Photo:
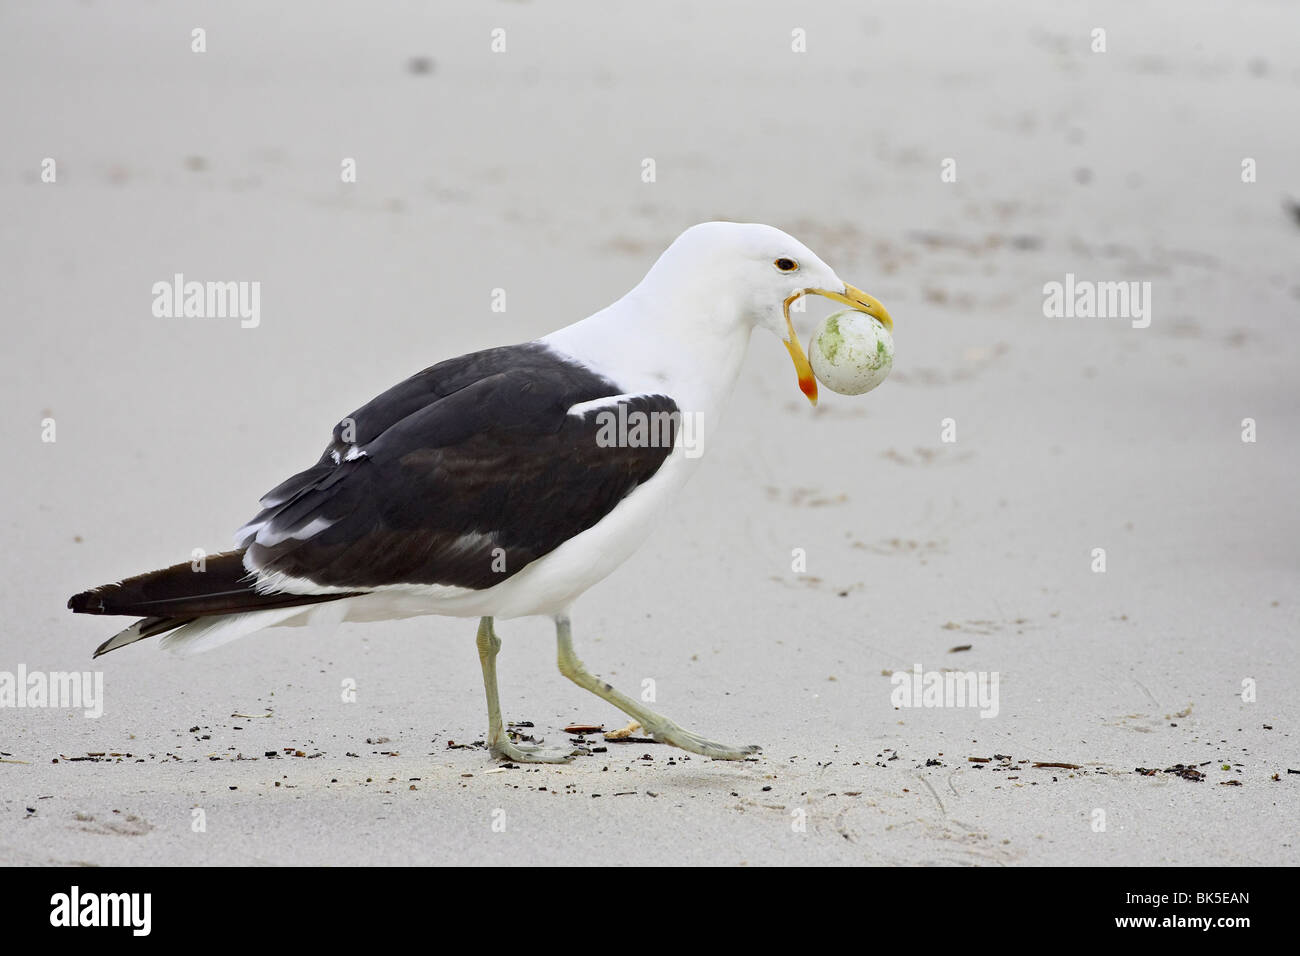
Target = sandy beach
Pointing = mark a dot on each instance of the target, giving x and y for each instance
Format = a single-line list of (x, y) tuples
[(952, 162)]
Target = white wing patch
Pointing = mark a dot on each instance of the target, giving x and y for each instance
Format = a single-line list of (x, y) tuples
[(609, 401), (354, 452), (268, 538), (262, 533)]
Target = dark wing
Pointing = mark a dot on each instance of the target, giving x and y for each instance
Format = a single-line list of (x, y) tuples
[(461, 475)]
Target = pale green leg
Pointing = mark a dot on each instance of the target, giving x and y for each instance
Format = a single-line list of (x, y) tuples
[(661, 728), (498, 741)]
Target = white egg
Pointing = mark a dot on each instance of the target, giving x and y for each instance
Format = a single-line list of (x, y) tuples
[(851, 352)]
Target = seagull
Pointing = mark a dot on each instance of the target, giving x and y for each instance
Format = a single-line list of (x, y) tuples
[(507, 482)]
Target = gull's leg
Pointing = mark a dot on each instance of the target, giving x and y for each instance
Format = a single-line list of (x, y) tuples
[(661, 728), (498, 740)]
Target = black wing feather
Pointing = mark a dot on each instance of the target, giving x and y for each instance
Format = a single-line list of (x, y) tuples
[(471, 470)]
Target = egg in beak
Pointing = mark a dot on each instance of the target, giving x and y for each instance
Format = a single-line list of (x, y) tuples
[(855, 299)]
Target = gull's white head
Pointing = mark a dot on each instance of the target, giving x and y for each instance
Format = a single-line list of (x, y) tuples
[(747, 274)]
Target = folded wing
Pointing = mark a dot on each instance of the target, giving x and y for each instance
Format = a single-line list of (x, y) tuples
[(461, 475)]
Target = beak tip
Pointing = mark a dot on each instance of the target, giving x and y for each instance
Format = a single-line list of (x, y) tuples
[(809, 388)]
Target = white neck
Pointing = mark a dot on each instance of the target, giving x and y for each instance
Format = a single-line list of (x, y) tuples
[(649, 342)]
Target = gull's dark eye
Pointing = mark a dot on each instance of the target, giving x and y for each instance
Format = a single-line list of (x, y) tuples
[(786, 265)]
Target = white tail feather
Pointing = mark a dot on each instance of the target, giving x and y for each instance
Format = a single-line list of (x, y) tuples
[(208, 633)]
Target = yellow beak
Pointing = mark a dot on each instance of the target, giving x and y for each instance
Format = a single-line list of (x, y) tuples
[(855, 299)]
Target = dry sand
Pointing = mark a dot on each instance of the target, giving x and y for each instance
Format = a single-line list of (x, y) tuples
[(522, 171)]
